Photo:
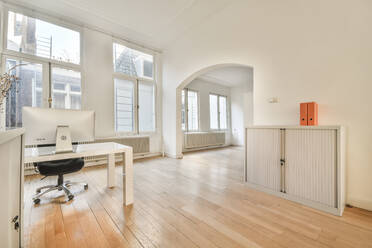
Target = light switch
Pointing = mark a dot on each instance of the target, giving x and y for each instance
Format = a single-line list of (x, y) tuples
[(273, 100)]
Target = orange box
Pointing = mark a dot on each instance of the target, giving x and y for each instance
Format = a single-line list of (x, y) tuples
[(312, 114), (309, 114), (303, 114)]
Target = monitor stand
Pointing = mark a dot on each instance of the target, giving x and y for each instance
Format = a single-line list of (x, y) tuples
[(63, 140)]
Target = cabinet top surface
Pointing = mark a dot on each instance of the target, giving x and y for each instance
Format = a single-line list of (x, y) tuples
[(10, 134)]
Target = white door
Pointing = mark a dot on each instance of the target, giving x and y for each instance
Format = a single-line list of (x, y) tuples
[(263, 157), (311, 158)]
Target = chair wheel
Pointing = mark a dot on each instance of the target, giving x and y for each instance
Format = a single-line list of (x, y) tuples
[(70, 197), (36, 201), (86, 186)]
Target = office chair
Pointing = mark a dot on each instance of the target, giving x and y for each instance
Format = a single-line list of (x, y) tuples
[(58, 168)]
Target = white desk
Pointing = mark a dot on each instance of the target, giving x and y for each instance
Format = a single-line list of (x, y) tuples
[(42, 154)]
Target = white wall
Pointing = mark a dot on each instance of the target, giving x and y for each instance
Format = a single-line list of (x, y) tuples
[(301, 51), (204, 88), (241, 114), (241, 109)]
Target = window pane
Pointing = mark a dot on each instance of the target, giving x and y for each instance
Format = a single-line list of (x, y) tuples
[(146, 102), (66, 89), (192, 102), (223, 112), (36, 37), (59, 100), (183, 115), (75, 100), (27, 92), (124, 101), (132, 62), (213, 111)]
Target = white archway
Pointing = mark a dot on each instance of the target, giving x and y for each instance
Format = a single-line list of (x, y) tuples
[(179, 133)]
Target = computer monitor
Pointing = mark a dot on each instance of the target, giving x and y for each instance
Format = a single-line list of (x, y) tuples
[(41, 125)]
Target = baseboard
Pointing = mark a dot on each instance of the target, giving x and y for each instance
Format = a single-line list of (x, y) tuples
[(204, 148), (175, 156), (237, 145), (360, 203)]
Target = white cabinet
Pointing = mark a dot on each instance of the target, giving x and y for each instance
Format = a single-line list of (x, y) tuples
[(303, 164), (11, 187)]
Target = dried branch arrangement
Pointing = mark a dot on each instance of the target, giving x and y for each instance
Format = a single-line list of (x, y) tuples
[(7, 80)]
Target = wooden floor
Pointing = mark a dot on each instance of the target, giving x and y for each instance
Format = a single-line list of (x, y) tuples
[(199, 201)]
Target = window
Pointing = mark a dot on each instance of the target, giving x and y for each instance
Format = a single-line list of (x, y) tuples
[(66, 89), (134, 90), (192, 113), (213, 111), (28, 91), (190, 110), (50, 66), (146, 102), (124, 105), (223, 112), (218, 112), (132, 62), (36, 37), (183, 110)]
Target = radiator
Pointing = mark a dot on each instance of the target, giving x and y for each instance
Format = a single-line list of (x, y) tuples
[(203, 139), (140, 145)]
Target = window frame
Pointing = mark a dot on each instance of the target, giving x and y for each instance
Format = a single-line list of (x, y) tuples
[(135, 113), (219, 113), (47, 63), (186, 104), (44, 70), (136, 80), (140, 49), (187, 130), (36, 15), (50, 86), (153, 84)]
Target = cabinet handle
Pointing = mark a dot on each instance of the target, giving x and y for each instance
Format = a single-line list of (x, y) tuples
[(282, 164), (16, 223), (14, 220)]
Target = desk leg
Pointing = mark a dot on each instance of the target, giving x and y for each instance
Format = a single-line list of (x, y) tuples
[(128, 178), (111, 170)]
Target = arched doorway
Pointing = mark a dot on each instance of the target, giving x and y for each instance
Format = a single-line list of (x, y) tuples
[(225, 70)]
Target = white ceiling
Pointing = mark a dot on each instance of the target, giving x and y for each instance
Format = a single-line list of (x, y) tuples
[(231, 76), (153, 23)]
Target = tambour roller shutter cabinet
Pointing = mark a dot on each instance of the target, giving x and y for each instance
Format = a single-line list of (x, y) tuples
[(300, 163)]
